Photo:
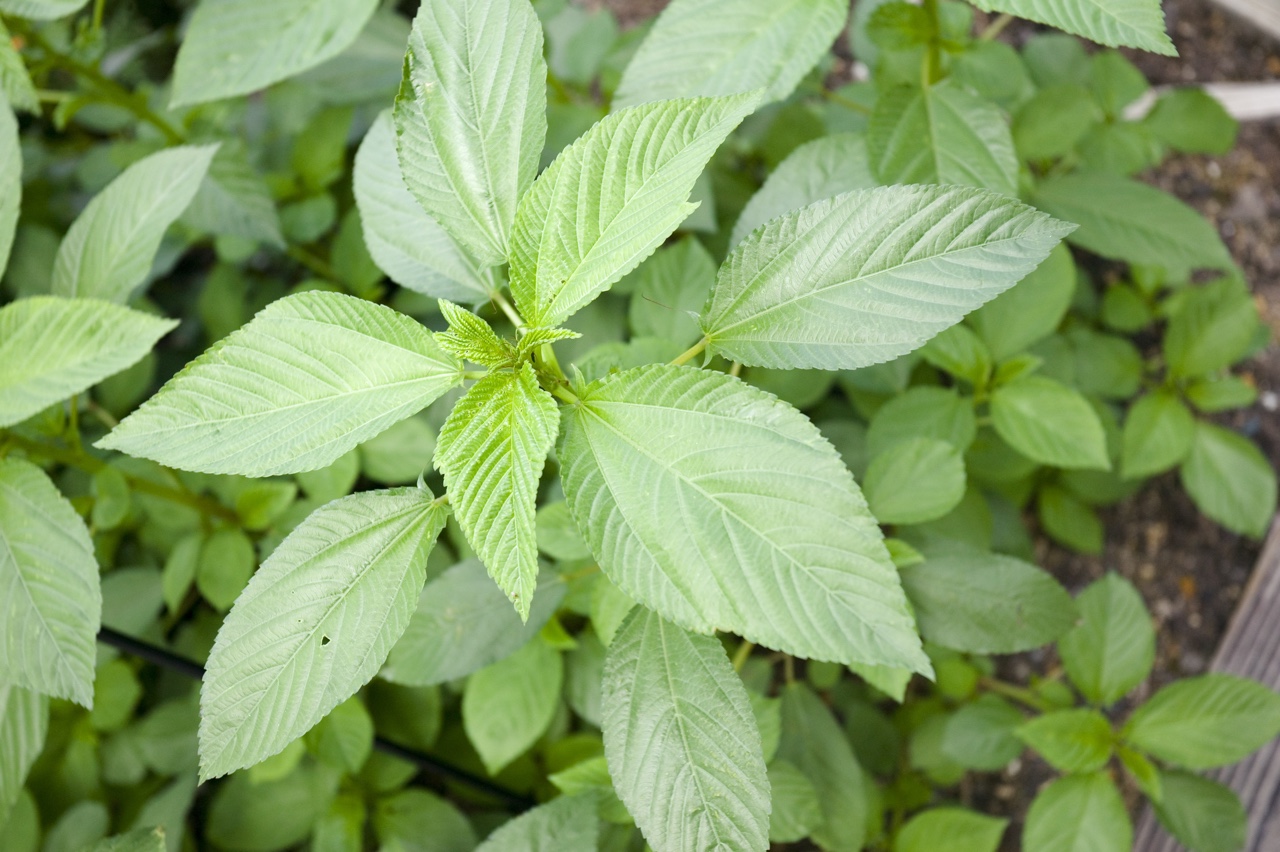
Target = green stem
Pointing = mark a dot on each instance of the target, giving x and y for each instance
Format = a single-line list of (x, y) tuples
[(932, 70), (113, 91), (740, 656), (996, 27), (690, 353), (91, 464), (312, 262), (98, 6), (506, 307), (847, 103), (73, 424), (1020, 694)]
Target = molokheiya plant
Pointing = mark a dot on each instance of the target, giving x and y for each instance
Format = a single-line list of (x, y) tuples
[(666, 487)]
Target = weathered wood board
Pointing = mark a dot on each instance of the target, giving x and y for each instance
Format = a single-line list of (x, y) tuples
[(1251, 648)]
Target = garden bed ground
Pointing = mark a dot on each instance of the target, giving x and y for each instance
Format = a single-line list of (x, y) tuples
[(1190, 571)]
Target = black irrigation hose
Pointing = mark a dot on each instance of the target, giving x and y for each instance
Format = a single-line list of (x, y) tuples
[(425, 763)]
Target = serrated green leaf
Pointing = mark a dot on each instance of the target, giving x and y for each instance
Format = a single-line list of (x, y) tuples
[(1130, 221), (406, 243), (1206, 721), (1069, 520), (309, 378), (916, 480), (1202, 814), (49, 583), (233, 47), (925, 411), (41, 10), (942, 134), (1054, 120), (959, 351), (587, 222), (1127, 23), (507, 705), (491, 451), (951, 828), (670, 288), (1050, 423), (742, 501), (980, 735), (24, 721), (681, 740), (796, 808), (986, 603), (1031, 310), (1158, 432), (724, 47), (314, 624), (1078, 813), (138, 840), (234, 200), (1077, 740), (1230, 480), (1214, 327), (51, 348), (109, 248), (1193, 121), (1222, 393), (568, 823), (416, 820), (816, 170), (870, 275), (471, 117), (10, 177), (814, 743)]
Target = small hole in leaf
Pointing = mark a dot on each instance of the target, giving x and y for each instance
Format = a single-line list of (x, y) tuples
[(324, 640)]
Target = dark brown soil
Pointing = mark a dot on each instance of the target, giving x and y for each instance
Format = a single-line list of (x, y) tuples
[(1190, 571)]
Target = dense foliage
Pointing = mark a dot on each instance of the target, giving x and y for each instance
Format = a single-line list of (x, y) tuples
[(643, 421)]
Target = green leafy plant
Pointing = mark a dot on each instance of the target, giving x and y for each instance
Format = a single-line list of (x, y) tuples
[(682, 507)]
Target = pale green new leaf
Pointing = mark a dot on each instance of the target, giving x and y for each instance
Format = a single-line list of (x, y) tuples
[(870, 275), (724, 47), (816, 170), (233, 47), (1130, 221), (108, 249), (403, 240), (942, 134), (681, 740), (41, 10), (49, 586), (1117, 23), (10, 178), (1074, 740), (471, 117), (24, 721), (309, 378), (610, 199), (314, 624), (507, 706), (491, 451), (51, 348), (565, 824), (1079, 813), (472, 339), (1112, 648), (463, 623), (721, 507)]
